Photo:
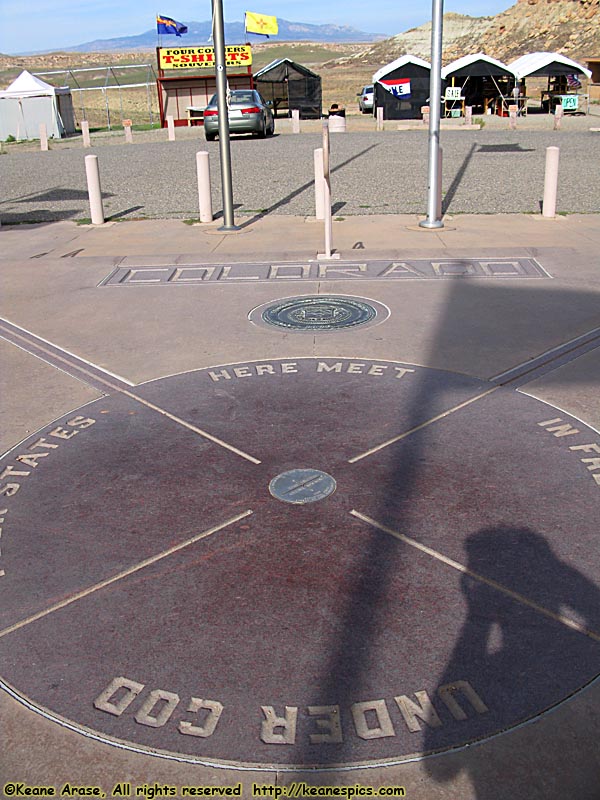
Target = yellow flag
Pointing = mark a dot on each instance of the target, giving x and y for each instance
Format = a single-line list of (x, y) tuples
[(261, 23)]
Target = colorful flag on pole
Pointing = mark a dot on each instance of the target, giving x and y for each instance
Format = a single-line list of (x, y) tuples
[(573, 82), (261, 23), (168, 25)]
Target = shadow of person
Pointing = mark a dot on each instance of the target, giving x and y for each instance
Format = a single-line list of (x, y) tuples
[(531, 638)]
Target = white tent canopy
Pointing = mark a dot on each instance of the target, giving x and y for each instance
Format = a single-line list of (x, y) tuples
[(542, 64), (399, 62), (468, 65), (28, 102)]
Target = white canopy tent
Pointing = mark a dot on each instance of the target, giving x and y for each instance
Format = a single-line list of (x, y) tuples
[(546, 64), (563, 76), (28, 102), (483, 80), (401, 88)]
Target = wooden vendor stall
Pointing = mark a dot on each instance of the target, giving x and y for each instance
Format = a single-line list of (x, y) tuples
[(564, 80), (478, 81), (186, 79)]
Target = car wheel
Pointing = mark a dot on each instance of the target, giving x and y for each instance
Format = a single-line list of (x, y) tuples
[(263, 131), (210, 137), (271, 130)]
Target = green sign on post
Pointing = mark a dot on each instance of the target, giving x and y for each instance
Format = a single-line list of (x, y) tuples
[(569, 102)]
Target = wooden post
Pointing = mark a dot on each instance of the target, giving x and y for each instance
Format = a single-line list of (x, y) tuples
[(43, 136), (425, 112), (95, 193), (85, 132), (558, 115), (327, 197), (550, 182), (295, 120), (319, 192), (171, 128), (204, 194), (127, 127), (512, 113), (379, 112)]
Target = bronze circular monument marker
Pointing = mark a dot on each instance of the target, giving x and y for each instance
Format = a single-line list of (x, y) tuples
[(319, 314), (300, 486), (157, 594)]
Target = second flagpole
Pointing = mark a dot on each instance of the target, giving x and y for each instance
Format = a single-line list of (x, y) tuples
[(224, 144)]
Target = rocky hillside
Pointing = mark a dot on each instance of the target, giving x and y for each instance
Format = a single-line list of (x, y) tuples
[(571, 27), (417, 41)]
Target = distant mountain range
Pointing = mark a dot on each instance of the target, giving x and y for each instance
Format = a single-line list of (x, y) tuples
[(199, 33)]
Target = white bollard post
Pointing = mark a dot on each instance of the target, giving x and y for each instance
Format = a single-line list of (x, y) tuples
[(327, 198), (468, 115), (319, 207), (127, 127), (171, 128), (550, 182), (95, 193), (204, 195), (512, 113), (440, 164), (85, 132), (43, 136), (327, 217), (295, 120), (379, 113), (558, 115), (425, 113)]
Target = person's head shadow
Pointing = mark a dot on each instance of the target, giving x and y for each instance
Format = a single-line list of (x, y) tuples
[(530, 639)]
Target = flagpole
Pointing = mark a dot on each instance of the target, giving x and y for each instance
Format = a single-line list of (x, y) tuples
[(224, 144), (435, 91)]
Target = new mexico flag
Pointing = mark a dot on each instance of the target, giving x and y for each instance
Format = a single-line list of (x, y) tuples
[(261, 23)]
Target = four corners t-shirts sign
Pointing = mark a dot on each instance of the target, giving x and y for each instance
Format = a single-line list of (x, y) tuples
[(236, 55), (399, 87)]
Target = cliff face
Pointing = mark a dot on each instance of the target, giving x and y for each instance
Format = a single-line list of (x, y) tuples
[(417, 41), (570, 27)]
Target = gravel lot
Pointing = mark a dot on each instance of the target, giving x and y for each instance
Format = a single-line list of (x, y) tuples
[(493, 170)]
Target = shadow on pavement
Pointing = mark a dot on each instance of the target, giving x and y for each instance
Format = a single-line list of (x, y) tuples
[(512, 539)]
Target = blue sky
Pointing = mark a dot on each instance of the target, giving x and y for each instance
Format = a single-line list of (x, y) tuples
[(51, 24)]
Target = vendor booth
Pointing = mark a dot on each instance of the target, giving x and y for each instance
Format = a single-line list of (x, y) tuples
[(564, 80), (402, 88), (593, 64), (28, 102), (481, 82), (290, 86), (186, 80)]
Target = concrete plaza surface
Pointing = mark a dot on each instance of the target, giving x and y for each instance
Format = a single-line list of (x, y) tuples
[(124, 304)]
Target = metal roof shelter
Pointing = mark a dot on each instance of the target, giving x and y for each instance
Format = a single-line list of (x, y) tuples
[(482, 79), (29, 101), (289, 85), (563, 79), (401, 88), (540, 65)]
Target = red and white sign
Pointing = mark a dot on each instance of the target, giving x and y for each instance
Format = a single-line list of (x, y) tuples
[(399, 87)]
